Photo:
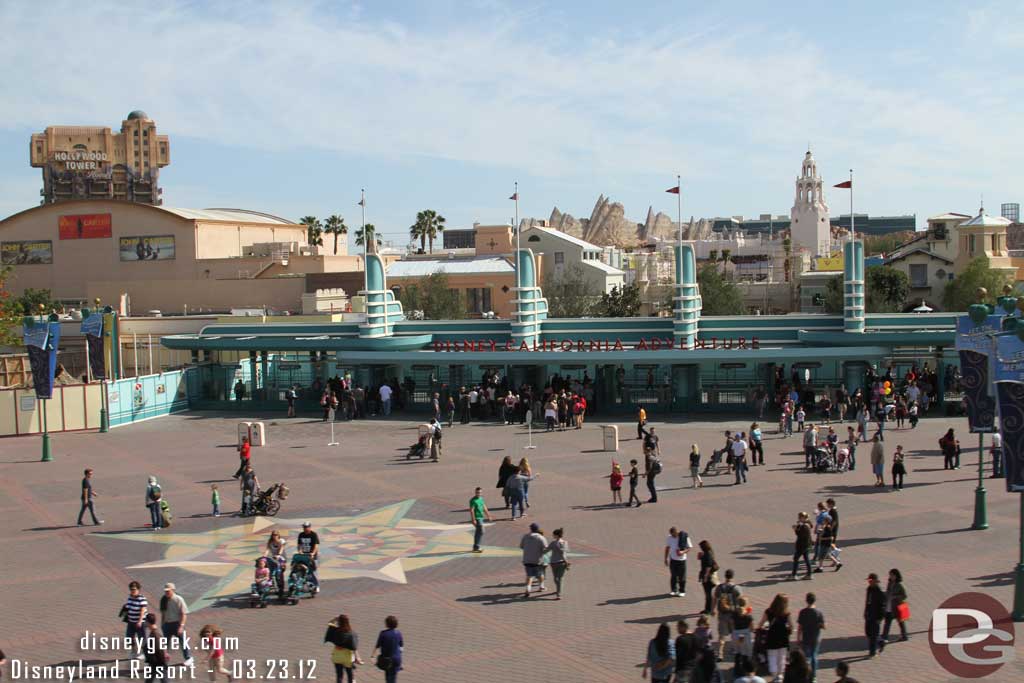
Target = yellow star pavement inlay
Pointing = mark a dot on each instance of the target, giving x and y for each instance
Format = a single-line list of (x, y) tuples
[(380, 544)]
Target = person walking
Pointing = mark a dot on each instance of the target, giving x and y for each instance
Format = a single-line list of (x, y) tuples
[(878, 460), (134, 612), (874, 612), (505, 470), (634, 481), (345, 651), (810, 622), (779, 627), (155, 651), (652, 468), (802, 545), (87, 499), (215, 500), (533, 545), (695, 466), (950, 446), (899, 469), (810, 443), (557, 551), (851, 446), (725, 606), (997, 455), (390, 644), (615, 481), (249, 486), (819, 519), (708, 575), (862, 422), (308, 543), (174, 611), (527, 472), (833, 512), (153, 499), (211, 638), (686, 652), (514, 492), (677, 546), (435, 440), (895, 607), (743, 632), (289, 396), (828, 547), (478, 512), (450, 410), (739, 458), (244, 452), (756, 445), (385, 399), (797, 668), (641, 422), (661, 656)]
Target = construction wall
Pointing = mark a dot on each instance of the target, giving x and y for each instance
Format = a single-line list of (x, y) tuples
[(73, 407)]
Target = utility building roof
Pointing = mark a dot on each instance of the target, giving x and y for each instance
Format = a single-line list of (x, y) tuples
[(237, 215), (424, 267)]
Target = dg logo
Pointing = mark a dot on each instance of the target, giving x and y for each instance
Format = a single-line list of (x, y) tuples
[(971, 635)]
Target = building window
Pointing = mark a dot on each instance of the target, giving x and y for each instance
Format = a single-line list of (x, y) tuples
[(478, 300), (970, 244), (559, 258), (534, 238), (918, 275)]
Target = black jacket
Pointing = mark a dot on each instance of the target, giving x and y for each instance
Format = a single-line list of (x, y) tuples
[(874, 604)]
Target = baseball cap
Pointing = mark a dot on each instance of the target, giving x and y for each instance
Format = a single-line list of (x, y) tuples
[(306, 525), (169, 587), (534, 526), (872, 577)]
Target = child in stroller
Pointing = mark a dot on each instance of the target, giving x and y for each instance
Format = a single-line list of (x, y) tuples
[(264, 582), (418, 449), (302, 579)]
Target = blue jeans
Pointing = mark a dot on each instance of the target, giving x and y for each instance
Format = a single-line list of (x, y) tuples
[(741, 471), (133, 630), (811, 652), (517, 499), (155, 516), (87, 506), (170, 630), (216, 508), (390, 676), (478, 533), (386, 406)]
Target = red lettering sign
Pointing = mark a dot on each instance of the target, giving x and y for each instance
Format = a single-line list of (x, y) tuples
[(84, 226), (603, 345)]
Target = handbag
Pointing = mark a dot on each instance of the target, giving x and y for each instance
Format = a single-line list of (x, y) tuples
[(385, 663), (343, 656), (123, 613), (903, 612)]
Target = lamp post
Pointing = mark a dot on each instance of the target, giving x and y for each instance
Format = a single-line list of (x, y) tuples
[(47, 455)]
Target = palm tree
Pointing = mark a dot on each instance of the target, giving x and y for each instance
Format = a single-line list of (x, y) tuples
[(726, 257), (335, 225), (433, 223), (418, 231), (314, 231), (369, 230)]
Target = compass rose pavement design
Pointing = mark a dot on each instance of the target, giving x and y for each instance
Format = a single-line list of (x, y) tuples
[(381, 544)]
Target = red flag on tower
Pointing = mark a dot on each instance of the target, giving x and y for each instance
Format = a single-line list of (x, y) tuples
[(515, 196), (673, 190), (845, 185)]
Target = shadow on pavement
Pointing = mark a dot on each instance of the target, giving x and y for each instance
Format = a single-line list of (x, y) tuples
[(633, 601)]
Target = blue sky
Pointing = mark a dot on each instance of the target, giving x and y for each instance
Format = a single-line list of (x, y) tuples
[(291, 108)]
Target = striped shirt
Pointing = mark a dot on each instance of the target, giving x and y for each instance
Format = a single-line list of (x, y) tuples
[(136, 606)]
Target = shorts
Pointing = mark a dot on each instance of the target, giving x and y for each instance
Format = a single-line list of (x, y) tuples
[(616, 488), (724, 625), (534, 571), (878, 469)]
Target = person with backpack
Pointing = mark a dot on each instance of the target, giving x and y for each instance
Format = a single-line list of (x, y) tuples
[(725, 605), (153, 498), (677, 546)]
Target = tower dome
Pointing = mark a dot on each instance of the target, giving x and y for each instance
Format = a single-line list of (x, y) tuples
[(137, 114)]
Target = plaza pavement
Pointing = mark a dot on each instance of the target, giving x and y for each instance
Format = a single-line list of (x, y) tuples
[(460, 613)]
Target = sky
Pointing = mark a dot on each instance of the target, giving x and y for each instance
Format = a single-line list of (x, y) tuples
[(292, 108)]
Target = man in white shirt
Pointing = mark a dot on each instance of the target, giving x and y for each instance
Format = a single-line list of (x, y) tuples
[(913, 393), (677, 545), (997, 455), (739, 457), (474, 396), (385, 399)]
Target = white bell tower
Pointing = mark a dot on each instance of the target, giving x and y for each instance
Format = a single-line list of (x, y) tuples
[(809, 219)]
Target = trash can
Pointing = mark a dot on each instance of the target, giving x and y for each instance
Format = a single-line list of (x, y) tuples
[(258, 435), (244, 430), (611, 437)]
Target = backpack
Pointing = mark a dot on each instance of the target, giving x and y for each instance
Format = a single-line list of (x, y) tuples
[(154, 493), (656, 467), (727, 599)]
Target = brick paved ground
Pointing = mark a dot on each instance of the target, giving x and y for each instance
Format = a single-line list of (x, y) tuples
[(462, 619)]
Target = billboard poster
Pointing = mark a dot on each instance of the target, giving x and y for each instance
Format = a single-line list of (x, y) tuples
[(974, 344), (147, 248), (84, 226), (26, 252), (41, 340), (1009, 380)]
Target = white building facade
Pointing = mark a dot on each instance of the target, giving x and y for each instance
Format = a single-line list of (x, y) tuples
[(810, 227)]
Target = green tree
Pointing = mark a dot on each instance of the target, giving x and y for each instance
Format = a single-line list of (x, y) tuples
[(434, 296), (418, 231), (369, 230), (885, 289), (885, 244), (619, 303), (961, 291), (570, 295), (834, 295), (32, 301), (433, 224), (718, 295), (726, 258), (314, 230), (335, 225), (11, 312)]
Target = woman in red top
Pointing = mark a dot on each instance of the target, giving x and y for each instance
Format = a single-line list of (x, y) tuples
[(616, 482), (243, 456)]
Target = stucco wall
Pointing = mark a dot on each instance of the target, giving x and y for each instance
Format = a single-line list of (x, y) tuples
[(171, 296)]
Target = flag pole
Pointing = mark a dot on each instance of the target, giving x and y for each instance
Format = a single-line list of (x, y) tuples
[(853, 230), (362, 208), (515, 226), (679, 207)]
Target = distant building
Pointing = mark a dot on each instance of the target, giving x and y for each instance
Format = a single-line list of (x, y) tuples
[(91, 162), (809, 220), (459, 238), (1010, 211), (985, 236), (563, 252), (929, 258)]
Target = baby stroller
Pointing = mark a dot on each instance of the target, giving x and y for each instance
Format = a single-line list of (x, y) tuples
[(268, 502), (715, 462), (422, 445), (823, 460), (261, 592), (843, 460), (300, 579)]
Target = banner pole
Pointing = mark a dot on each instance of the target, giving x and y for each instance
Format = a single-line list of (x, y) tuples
[(47, 456), (980, 509), (1018, 584)]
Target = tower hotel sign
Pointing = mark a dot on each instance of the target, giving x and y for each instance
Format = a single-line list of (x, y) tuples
[(80, 160), (643, 344)]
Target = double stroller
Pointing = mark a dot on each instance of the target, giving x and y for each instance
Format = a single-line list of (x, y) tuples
[(301, 581), (261, 591)]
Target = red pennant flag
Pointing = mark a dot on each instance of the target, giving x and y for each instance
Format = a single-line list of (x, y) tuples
[(673, 190), (515, 197), (845, 185)]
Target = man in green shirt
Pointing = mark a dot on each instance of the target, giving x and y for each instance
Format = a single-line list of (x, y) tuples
[(478, 512)]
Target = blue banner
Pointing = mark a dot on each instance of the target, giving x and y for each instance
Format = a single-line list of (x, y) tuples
[(93, 325), (92, 328), (1009, 379), (974, 341), (41, 341)]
